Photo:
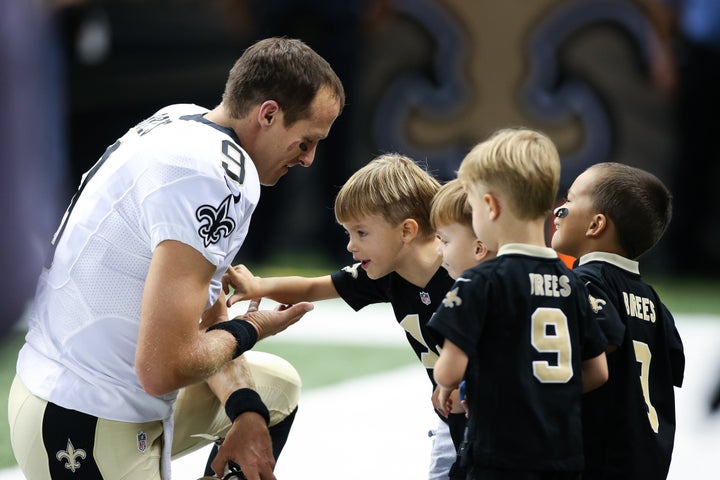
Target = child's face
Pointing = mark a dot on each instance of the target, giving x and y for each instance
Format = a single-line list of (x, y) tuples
[(374, 243), (572, 224), (458, 247)]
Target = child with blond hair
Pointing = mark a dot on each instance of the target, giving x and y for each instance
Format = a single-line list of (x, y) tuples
[(517, 327), (385, 208), (451, 218)]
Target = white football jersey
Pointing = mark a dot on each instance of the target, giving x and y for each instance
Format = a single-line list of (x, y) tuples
[(174, 176)]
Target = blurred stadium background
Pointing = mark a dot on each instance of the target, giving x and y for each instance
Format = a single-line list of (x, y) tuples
[(428, 78)]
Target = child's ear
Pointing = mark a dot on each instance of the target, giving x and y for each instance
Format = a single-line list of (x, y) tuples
[(481, 251), (493, 205), (598, 225), (410, 229)]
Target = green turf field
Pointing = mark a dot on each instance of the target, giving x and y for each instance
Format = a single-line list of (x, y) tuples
[(311, 360)]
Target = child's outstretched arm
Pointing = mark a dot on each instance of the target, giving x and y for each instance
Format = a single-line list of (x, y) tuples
[(286, 290)]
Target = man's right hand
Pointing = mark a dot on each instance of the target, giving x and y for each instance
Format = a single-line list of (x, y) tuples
[(248, 444)]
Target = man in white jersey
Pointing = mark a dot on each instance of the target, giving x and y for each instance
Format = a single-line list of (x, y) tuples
[(130, 351)]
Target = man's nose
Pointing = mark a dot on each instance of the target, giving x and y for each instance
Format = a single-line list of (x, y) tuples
[(306, 158)]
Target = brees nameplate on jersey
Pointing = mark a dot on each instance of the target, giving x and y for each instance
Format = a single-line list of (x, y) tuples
[(639, 307), (546, 285)]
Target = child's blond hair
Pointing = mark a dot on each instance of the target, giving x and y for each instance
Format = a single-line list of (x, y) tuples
[(392, 186), (521, 163), (450, 206)]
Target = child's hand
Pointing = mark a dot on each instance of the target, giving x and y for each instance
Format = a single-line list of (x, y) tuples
[(243, 282), (446, 401), (455, 402), (443, 400)]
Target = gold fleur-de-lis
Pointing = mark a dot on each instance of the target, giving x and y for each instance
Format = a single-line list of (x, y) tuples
[(596, 303), (452, 299), (352, 270), (71, 455)]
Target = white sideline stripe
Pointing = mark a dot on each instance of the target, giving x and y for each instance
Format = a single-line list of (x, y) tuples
[(376, 427)]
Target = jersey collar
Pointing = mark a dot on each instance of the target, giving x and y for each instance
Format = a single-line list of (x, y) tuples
[(525, 249), (612, 258), (198, 117)]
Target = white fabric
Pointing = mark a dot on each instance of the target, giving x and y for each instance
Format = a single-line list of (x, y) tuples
[(80, 349), (442, 453), (166, 456)]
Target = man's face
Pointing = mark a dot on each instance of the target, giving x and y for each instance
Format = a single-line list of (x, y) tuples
[(282, 147)]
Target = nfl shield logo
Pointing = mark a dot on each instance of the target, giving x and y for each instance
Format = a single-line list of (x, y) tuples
[(425, 298), (142, 442)]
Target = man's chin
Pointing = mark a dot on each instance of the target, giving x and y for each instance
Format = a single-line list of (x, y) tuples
[(269, 182)]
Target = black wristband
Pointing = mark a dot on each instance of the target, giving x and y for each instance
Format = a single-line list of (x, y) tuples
[(245, 400), (243, 331)]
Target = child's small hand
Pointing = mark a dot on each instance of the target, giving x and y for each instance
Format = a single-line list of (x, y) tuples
[(455, 403), (445, 400), (242, 281)]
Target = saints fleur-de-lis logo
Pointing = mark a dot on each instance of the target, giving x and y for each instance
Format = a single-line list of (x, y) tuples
[(71, 455), (216, 222), (352, 269), (596, 303), (452, 299)]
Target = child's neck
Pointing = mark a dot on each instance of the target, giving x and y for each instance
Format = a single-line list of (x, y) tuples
[(420, 262), (523, 231)]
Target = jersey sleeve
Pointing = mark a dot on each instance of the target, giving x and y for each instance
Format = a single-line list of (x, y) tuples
[(461, 314), (605, 314), (357, 289), (594, 341), (196, 209), (675, 347)]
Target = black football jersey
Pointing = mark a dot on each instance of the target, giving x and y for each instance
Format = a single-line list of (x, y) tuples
[(523, 319), (413, 306), (630, 421)]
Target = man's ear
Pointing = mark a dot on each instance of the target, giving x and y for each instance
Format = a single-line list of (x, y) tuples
[(410, 229), (598, 225), (267, 112)]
